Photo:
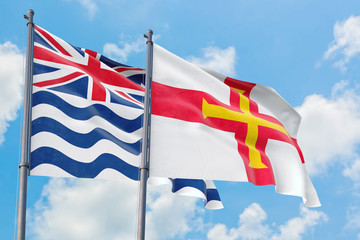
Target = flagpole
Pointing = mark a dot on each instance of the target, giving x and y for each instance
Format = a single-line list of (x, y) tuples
[(144, 167), (26, 128)]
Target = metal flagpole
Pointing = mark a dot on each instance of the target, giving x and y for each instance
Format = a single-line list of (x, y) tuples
[(144, 167), (26, 128)]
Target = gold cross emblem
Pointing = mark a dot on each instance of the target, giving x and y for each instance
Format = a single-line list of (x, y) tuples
[(244, 116)]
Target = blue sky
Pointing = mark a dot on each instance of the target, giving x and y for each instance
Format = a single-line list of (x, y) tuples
[(308, 51)]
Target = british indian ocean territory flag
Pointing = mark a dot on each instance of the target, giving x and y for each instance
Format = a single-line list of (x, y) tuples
[(208, 126), (86, 117)]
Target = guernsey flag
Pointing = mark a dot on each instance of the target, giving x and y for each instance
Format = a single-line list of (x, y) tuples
[(208, 126)]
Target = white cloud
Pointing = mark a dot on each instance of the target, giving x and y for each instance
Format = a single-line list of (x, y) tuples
[(85, 209), (298, 226), (220, 60), (330, 128), (346, 41), (353, 218), (220, 232), (251, 223), (112, 50), (252, 226), (90, 6), (170, 215), (78, 209), (11, 81), (353, 172), (339, 87)]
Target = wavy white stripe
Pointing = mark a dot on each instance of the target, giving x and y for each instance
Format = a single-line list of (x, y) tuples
[(85, 155), (159, 181), (107, 173), (129, 73), (214, 204), (209, 184), (185, 191), (49, 168), (84, 126), (189, 191), (79, 102)]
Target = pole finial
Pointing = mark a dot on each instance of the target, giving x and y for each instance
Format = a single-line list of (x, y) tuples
[(31, 12), (149, 36), (30, 16)]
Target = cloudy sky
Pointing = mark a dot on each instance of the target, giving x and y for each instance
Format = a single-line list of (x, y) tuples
[(309, 52)]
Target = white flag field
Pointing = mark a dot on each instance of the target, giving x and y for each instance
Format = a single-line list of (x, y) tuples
[(208, 126)]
